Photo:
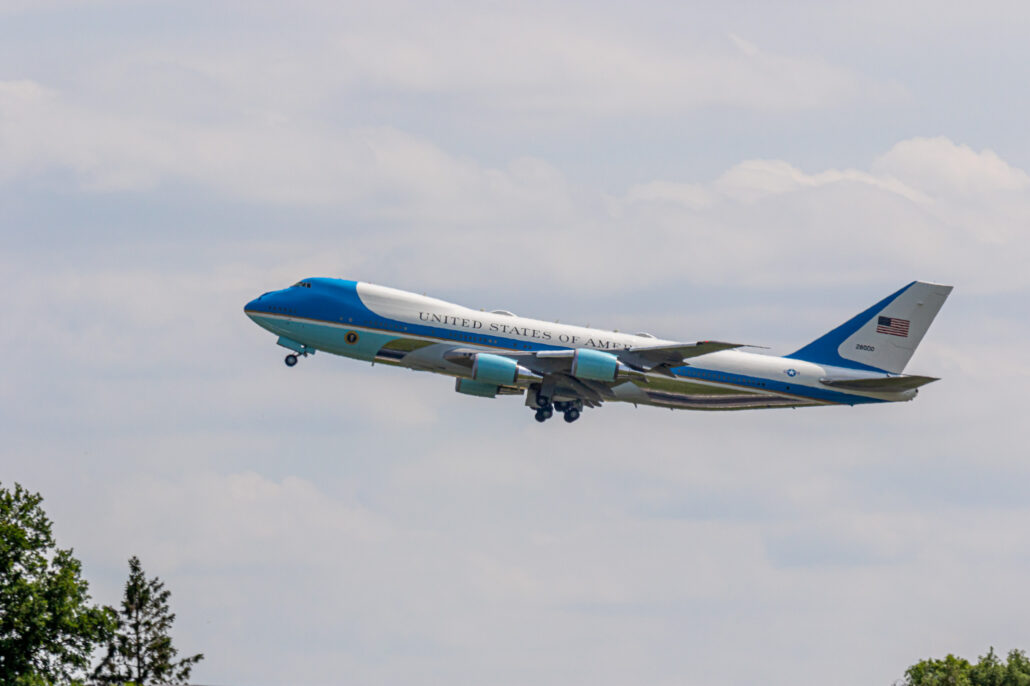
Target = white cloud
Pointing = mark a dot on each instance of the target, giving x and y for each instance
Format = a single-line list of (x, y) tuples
[(236, 518), (754, 180), (939, 166), (16, 7), (263, 162), (531, 66), (554, 570), (927, 208), (515, 63)]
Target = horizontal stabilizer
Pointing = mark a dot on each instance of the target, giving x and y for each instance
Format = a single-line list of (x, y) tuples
[(886, 384)]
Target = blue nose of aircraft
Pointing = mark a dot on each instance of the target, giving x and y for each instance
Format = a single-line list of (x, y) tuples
[(255, 305)]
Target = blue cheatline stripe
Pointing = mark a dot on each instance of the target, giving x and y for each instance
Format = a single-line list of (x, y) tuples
[(824, 350), (759, 382)]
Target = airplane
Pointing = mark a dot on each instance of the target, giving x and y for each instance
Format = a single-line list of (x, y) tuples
[(564, 368)]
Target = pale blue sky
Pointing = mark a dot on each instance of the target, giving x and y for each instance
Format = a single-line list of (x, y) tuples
[(747, 172)]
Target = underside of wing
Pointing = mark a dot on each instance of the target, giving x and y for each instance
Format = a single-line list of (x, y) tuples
[(591, 393)]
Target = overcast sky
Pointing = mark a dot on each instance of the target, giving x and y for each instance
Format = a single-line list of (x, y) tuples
[(740, 171)]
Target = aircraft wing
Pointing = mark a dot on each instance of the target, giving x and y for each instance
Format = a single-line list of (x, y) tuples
[(642, 358), (651, 356)]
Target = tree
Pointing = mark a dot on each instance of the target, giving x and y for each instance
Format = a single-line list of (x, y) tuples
[(140, 650), (48, 628), (951, 671), (955, 671)]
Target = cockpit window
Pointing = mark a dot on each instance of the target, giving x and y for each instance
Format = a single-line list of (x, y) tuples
[(301, 284)]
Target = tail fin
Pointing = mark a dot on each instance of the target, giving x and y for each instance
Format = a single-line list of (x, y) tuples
[(883, 337)]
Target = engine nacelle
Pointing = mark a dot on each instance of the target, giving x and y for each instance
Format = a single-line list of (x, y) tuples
[(594, 365), (499, 370), (470, 387)]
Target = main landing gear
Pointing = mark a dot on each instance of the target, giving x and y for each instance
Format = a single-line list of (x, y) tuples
[(545, 409)]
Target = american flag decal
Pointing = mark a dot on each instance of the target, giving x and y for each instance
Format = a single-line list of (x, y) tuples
[(892, 326)]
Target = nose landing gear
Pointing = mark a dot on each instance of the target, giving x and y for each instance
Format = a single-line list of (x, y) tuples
[(291, 359), (299, 350)]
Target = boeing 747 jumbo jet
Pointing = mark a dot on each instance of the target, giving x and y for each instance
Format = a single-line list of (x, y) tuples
[(567, 368)]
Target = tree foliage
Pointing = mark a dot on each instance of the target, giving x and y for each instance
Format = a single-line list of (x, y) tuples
[(955, 671), (48, 628), (140, 651)]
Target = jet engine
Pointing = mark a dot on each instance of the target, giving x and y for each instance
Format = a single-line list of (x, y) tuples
[(499, 370), (484, 390), (594, 365), (470, 387)]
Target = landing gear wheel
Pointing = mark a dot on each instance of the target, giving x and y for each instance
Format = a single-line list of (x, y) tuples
[(542, 401), (541, 416), (571, 415), (290, 360)]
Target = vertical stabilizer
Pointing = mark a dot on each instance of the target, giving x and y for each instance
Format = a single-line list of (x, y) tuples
[(883, 337)]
